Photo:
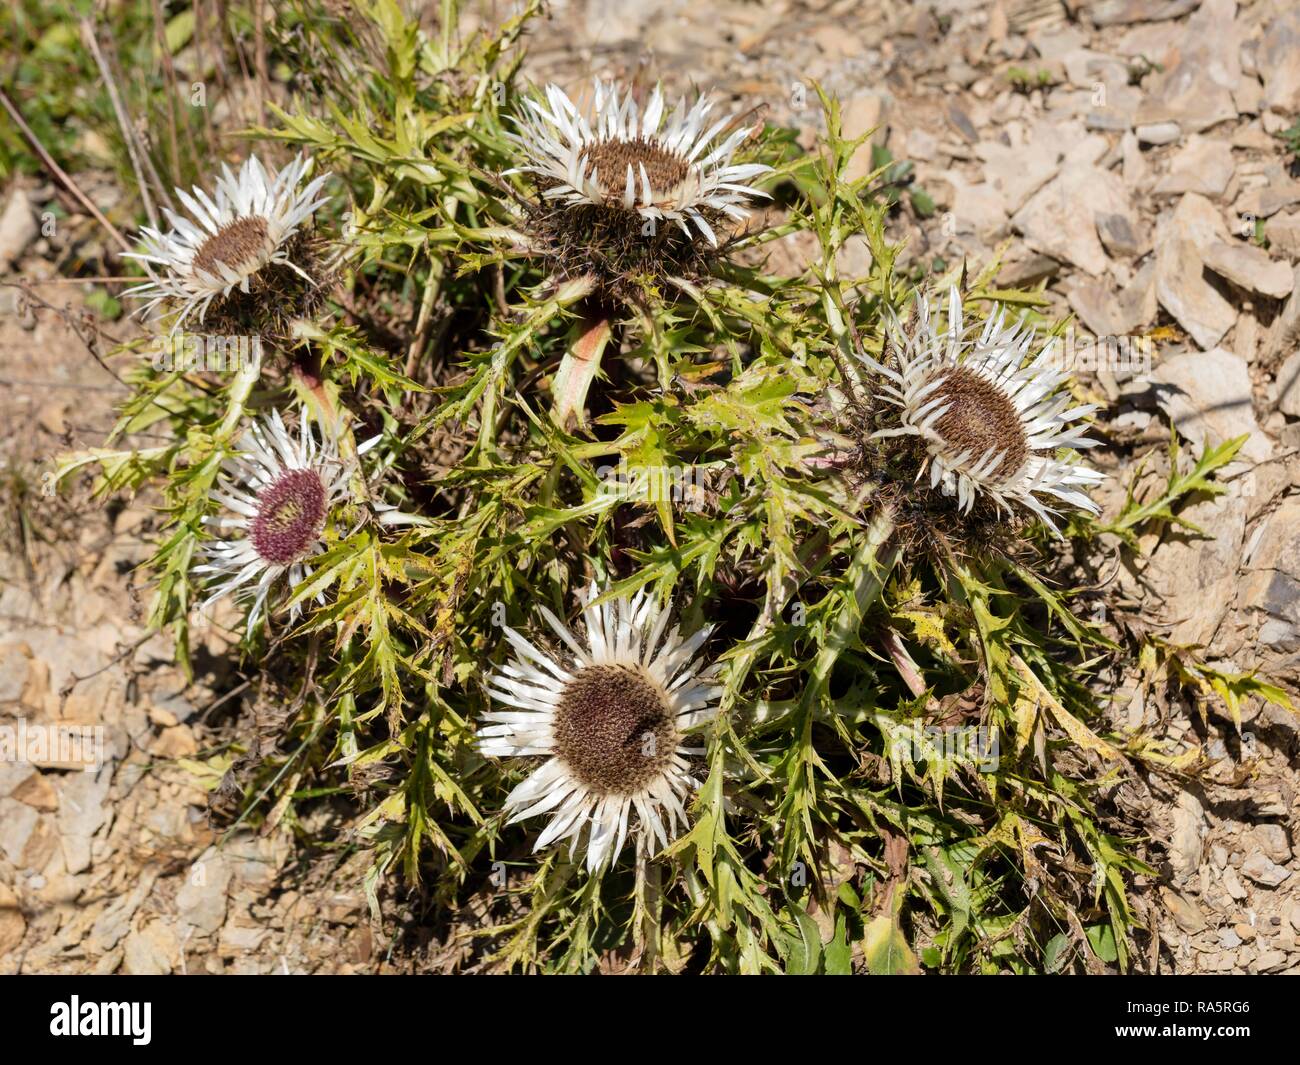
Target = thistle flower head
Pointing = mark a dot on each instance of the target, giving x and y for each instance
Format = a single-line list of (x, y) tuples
[(992, 421), (232, 236), (278, 490), (610, 721), (651, 163), (625, 191)]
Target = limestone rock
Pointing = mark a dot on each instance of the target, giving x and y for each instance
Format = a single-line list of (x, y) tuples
[(201, 903), (1204, 165), (17, 228), (1060, 220), (1279, 63), (13, 925), (1249, 267), (150, 951), (1183, 291), (1288, 386), (1284, 334), (1259, 868), (1208, 398), (1196, 89)]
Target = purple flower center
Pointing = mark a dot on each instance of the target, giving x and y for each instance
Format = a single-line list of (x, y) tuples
[(290, 515)]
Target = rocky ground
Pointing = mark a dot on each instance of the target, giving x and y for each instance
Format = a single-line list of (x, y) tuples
[(1124, 151), (116, 867)]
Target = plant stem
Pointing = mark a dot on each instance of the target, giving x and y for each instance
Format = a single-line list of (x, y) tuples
[(868, 572), (240, 390)]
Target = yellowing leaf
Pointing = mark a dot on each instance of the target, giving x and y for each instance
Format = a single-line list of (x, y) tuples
[(1074, 728), (886, 950)]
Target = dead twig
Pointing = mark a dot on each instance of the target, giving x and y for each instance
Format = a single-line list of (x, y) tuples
[(123, 119), (59, 172)]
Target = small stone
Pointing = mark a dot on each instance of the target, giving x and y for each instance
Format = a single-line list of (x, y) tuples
[(960, 121), (862, 113), (81, 812), (1253, 137), (1232, 884), (1248, 96), (181, 709), (1061, 219), (1185, 913), (1249, 267), (1085, 68), (1023, 273), (1204, 166), (110, 927), (1194, 87), (1265, 198), (1137, 174), (921, 146), (177, 742), (1268, 961), (1107, 121), (1180, 287), (201, 901), (14, 658), (1245, 932), (238, 938), (17, 228), (150, 951), (52, 417), (1260, 869), (17, 823), (1157, 133), (1209, 399), (1183, 291), (1095, 304), (1087, 152), (1195, 219), (962, 74), (1273, 803), (1283, 336), (1188, 834), (1273, 123), (1124, 12), (1273, 842), (12, 774), (833, 41), (1272, 586), (1279, 63), (977, 208), (162, 718), (1246, 338), (1017, 172), (1283, 233), (1229, 939), (13, 925), (1119, 236), (37, 792)]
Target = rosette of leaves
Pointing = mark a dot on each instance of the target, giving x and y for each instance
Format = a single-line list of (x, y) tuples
[(837, 827)]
